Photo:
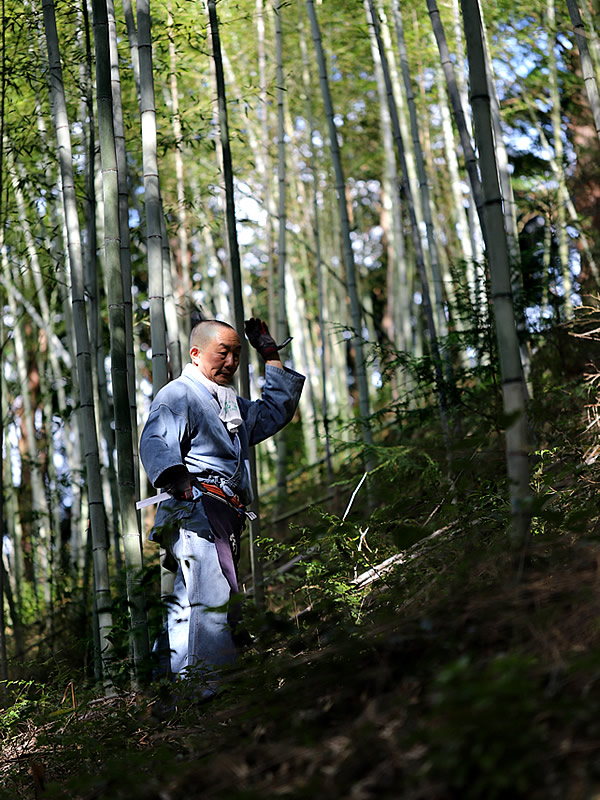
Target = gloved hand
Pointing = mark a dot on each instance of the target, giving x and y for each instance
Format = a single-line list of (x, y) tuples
[(259, 337), (177, 482)]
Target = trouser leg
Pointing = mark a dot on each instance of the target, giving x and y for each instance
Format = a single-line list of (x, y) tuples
[(199, 637)]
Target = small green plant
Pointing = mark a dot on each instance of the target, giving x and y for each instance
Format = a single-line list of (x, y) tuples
[(483, 732)]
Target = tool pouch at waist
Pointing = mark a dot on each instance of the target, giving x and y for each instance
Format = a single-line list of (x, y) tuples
[(221, 493)]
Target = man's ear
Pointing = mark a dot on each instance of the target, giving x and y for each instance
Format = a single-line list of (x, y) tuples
[(194, 354)]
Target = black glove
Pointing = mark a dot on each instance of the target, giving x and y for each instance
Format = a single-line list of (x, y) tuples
[(259, 337), (177, 482)]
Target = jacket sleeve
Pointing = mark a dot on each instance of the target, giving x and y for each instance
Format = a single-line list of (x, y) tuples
[(162, 438), (276, 408)]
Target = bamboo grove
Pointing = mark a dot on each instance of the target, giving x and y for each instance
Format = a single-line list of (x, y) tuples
[(385, 182)]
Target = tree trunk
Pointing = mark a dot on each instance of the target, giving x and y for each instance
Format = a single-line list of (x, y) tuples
[(84, 371), (118, 354), (458, 111), (556, 116), (587, 67), (264, 162), (282, 321), (121, 154), (438, 288), (514, 390), (416, 238), (152, 202), (316, 231), (348, 257), (238, 300), (182, 219)]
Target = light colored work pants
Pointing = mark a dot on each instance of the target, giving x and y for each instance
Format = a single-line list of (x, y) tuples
[(199, 636)]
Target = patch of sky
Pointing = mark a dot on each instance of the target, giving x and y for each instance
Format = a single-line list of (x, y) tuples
[(564, 41), (134, 217), (376, 379), (575, 262), (247, 290), (338, 120), (146, 387), (251, 261), (417, 298), (14, 434), (428, 78)]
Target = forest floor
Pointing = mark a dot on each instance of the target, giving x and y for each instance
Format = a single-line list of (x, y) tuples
[(467, 675), (466, 671)]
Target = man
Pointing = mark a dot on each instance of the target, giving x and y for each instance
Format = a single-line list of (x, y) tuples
[(195, 445)]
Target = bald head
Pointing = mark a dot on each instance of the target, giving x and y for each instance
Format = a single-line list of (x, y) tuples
[(206, 330), (215, 350)]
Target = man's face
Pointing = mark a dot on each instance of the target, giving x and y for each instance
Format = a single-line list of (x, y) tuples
[(220, 358)]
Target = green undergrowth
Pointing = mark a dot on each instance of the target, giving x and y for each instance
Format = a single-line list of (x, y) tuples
[(462, 673), (406, 651)]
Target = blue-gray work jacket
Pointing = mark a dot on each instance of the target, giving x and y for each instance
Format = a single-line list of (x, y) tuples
[(184, 427)]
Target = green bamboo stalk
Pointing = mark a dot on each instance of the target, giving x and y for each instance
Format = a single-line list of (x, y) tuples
[(125, 244), (423, 178), (557, 131), (347, 254), (514, 391), (84, 371), (118, 355), (282, 320), (416, 237), (234, 258), (587, 67), (152, 203)]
